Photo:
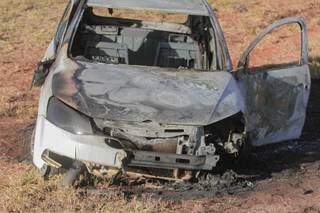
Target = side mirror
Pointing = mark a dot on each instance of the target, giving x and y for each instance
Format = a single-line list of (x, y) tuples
[(41, 72)]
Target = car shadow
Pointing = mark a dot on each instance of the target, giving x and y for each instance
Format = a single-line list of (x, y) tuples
[(262, 162)]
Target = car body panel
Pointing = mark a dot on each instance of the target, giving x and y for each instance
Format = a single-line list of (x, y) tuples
[(138, 94), (276, 103), (277, 99), (78, 147), (141, 103)]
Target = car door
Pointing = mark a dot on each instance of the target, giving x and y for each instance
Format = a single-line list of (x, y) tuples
[(276, 98)]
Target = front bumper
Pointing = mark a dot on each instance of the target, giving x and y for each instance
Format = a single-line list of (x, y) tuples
[(86, 148), (93, 149)]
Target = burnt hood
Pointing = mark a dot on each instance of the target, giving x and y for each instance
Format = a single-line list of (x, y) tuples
[(148, 94)]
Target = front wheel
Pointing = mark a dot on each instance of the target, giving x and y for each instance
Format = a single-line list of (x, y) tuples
[(31, 148), (45, 170)]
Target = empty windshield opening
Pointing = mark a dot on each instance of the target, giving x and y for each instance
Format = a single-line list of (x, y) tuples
[(147, 39)]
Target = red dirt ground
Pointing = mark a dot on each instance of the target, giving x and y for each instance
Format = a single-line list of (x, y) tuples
[(285, 191)]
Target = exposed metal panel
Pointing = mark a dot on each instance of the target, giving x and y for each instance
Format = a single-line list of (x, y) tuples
[(137, 94), (194, 7), (276, 100), (276, 103)]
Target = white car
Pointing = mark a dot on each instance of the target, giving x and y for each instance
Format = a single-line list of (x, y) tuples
[(121, 93)]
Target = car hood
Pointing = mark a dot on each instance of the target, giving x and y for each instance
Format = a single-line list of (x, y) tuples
[(147, 94)]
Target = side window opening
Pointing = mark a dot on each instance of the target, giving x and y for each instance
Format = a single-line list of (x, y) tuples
[(62, 24), (149, 39), (279, 49)]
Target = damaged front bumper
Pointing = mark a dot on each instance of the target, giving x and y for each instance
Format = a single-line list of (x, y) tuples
[(173, 161), (88, 148), (52, 141)]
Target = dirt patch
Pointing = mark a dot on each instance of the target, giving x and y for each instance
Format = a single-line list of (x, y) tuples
[(282, 178)]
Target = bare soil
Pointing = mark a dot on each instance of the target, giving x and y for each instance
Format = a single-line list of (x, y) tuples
[(276, 178)]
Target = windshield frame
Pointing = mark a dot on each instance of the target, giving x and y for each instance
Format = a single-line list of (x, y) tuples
[(221, 44), (191, 7)]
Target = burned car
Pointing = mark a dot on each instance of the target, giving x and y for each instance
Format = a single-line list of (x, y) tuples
[(125, 93)]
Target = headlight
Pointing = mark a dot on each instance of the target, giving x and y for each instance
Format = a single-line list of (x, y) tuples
[(67, 118)]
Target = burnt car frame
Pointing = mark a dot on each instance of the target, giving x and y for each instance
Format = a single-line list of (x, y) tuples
[(126, 94)]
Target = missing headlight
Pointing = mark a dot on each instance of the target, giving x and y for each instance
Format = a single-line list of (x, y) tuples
[(67, 118)]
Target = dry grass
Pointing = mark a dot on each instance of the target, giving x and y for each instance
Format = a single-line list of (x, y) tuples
[(32, 194), (16, 104), (242, 20), (26, 27), (28, 21), (315, 67)]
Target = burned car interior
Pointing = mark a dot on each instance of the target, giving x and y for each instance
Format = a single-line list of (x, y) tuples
[(114, 40)]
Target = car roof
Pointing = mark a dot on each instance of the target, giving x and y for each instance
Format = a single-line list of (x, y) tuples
[(191, 7)]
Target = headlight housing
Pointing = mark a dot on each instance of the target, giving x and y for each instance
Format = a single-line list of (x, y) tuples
[(67, 118)]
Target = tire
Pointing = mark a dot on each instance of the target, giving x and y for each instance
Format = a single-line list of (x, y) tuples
[(46, 170), (73, 174), (31, 148)]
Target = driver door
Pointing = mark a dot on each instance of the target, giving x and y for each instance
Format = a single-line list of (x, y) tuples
[(276, 98)]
